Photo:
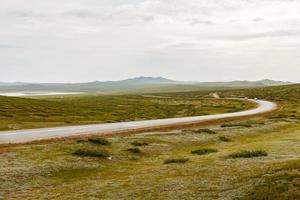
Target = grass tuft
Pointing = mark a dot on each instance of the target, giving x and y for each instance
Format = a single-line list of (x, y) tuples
[(248, 154), (176, 160), (139, 143), (201, 130), (205, 130), (91, 153), (134, 150), (204, 151)]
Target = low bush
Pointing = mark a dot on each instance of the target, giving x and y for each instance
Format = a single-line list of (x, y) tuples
[(176, 160), (91, 153), (204, 151), (98, 140), (248, 154), (134, 150), (224, 139)]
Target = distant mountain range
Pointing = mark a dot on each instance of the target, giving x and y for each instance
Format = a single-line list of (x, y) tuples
[(133, 84), (261, 83)]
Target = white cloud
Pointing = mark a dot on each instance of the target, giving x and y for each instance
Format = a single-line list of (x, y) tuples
[(104, 39)]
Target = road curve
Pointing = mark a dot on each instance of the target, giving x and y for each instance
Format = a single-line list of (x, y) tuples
[(20, 136)]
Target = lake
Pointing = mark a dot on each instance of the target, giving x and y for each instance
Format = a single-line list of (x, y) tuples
[(22, 94)]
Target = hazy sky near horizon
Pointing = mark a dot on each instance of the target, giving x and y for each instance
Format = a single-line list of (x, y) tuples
[(199, 40)]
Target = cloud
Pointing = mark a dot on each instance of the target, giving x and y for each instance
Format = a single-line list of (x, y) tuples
[(7, 46), (112, 37), (194, 21), (80, 14), (184, 45), (257, 19), (22, 14), (261, 35), (148, 18)]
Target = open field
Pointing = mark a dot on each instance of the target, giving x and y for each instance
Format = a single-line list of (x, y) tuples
[(29, 135), (20, 113), (258, 158)]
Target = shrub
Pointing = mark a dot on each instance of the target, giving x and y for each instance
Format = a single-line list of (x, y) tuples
[(176, 160), (248, 154), (224, 139), (100, 141), (205, 130), (91, 153), (139, 143), (134, 150), (204, 151)]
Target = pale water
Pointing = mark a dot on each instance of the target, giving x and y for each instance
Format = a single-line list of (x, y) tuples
[(22, 94)]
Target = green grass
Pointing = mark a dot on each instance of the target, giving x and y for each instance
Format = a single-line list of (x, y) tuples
[(25, 168), (248, 154), (283, 184), (73, 174), (50, 170), (20, 113)]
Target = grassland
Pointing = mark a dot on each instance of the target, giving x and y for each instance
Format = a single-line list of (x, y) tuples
[(20, 113), (163, 167)]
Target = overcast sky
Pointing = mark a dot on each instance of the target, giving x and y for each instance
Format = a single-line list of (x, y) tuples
[(199, 40)]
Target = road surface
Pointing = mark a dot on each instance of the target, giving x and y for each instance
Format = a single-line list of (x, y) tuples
[(28, 135)]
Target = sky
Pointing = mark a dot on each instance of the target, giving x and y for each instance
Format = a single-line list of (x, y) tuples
[(196, 40)]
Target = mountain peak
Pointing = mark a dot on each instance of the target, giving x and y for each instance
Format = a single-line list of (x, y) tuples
[(269, 82), (148, 80)]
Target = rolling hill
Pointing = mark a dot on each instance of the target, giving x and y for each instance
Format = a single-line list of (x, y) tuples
[(133, 84)]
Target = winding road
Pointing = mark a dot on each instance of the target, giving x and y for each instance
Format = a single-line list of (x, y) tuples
[(20, 136)]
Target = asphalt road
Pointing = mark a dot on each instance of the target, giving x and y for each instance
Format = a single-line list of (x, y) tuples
[(28, 135)]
